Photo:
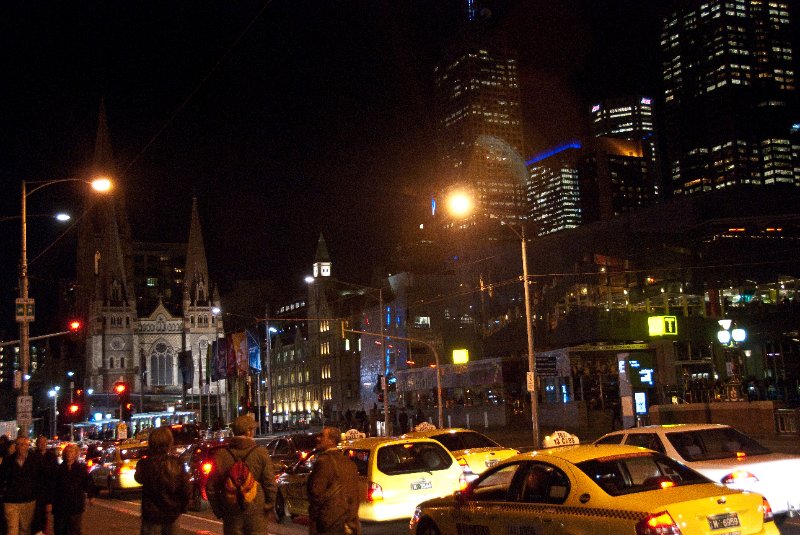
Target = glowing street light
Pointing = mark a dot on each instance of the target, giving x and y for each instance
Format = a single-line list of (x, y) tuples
[(25, 305), (462, 206)]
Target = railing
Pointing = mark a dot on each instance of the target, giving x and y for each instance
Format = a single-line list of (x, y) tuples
[(787, 421)]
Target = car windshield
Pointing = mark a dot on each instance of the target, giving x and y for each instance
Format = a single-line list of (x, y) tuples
[(131, 453), (716, 443), (463, 440), (412, 457), (185, 433), (638, 472), (305, 442)]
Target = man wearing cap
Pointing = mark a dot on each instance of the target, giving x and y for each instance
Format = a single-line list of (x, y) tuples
[(251, 517)]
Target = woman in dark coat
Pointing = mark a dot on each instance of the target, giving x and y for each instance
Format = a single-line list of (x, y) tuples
[(165, 486), (70, 490)]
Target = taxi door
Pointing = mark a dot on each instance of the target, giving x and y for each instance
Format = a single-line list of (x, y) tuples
[(492, 506), (539, 490)]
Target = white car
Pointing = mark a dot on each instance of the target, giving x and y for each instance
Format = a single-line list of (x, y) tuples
[(725, 455)]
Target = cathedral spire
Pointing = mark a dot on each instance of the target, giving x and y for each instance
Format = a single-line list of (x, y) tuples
[(195, 274), (322, 260), (103, 161)]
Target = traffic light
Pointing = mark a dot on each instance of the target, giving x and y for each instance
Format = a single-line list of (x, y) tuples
[(75, 327), (127, 410), (121, 389)]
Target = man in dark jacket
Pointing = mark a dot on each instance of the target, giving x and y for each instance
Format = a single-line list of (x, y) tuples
[(165, 485), (20, 475), (70, 486), (48, 460), (251, 516), (333, 496)]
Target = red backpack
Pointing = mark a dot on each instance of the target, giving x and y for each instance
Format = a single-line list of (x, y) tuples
[(240, 487)]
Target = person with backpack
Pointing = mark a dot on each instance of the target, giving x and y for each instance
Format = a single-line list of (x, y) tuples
[(333, 495), (165, 485), (241, 487)]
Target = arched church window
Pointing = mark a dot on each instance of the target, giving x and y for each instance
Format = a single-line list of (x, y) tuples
[(162, 358)]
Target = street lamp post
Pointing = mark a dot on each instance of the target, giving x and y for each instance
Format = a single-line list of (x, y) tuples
[(460, 204), (54, 425), (25, 309)]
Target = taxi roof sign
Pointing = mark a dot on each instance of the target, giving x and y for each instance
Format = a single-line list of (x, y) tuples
[(560, 438), (424, 426), (353, 434)]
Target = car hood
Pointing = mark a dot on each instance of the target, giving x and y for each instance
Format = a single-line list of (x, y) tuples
[(773, 465)]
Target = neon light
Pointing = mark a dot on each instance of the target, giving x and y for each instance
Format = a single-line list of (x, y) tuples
[(646, 101), (595, 108), (433, 206), (552, 152)]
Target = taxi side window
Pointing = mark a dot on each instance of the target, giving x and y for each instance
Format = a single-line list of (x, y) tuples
[(646, 440), (543, 483), (495, 485)]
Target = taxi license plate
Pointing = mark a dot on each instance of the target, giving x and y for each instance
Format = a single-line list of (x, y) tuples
[(419, 485), (728, 520)]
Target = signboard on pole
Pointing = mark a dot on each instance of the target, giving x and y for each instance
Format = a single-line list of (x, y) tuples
[(24, 412), (25, 309)]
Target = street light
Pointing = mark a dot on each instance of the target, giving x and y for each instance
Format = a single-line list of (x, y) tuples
[(460, 205), (25, 308), (54, 394)]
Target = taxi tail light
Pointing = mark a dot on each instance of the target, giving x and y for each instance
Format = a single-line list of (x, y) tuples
[(206, 467), (658, 524), (374, 492), (767, 508), (737, 477), (124, 469), (462, 462)]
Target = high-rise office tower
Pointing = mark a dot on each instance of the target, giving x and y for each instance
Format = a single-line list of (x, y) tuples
[(479, 119), (554, 189), (729, 88), (631, 118)]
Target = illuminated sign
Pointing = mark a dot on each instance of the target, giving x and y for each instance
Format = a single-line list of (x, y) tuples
[(640, 399), (645, 101), (662, 325), (595, 108), (460, 356), (640, 371)]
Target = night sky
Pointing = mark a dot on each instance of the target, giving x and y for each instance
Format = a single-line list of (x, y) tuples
[(285, 118)]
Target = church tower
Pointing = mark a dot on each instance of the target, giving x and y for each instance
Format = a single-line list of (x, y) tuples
[(201, 325), (105, 291)]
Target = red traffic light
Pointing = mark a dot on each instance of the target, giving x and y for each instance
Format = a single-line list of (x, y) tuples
[(74, 408), (120, 388), (75, 325)]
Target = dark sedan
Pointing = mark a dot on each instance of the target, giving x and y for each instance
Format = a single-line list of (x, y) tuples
[(287, 450), (198, 461)]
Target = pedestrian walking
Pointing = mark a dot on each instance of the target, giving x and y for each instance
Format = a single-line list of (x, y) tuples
[(48, 461), (165, 485), (19, 475), (241, 489), (333, 496), (71, 485)]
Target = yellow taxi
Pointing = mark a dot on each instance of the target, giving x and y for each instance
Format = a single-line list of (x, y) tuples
[(116, 468), (473, 451), (594, 489), (397, 473)]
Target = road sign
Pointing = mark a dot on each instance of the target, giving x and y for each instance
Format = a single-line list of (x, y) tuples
[(531, 383), (24, 412), (25, 309)]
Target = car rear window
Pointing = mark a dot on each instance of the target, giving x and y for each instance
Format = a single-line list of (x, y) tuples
[(465, 440), (412, 457), (638, 472), (131, 453), (185, 433), (719, 443)]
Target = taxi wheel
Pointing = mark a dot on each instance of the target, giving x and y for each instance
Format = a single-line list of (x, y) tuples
[(427, 527), (280, 507)]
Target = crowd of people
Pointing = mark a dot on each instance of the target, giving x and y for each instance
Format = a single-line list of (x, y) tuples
[(42, 496)]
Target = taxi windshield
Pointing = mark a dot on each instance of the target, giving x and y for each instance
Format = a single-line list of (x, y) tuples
[(464, 440), (640, 472), (718, 443)]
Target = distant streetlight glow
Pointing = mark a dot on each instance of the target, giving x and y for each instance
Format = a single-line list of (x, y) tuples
[(459, 204), (63, 217), (101, 184)]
